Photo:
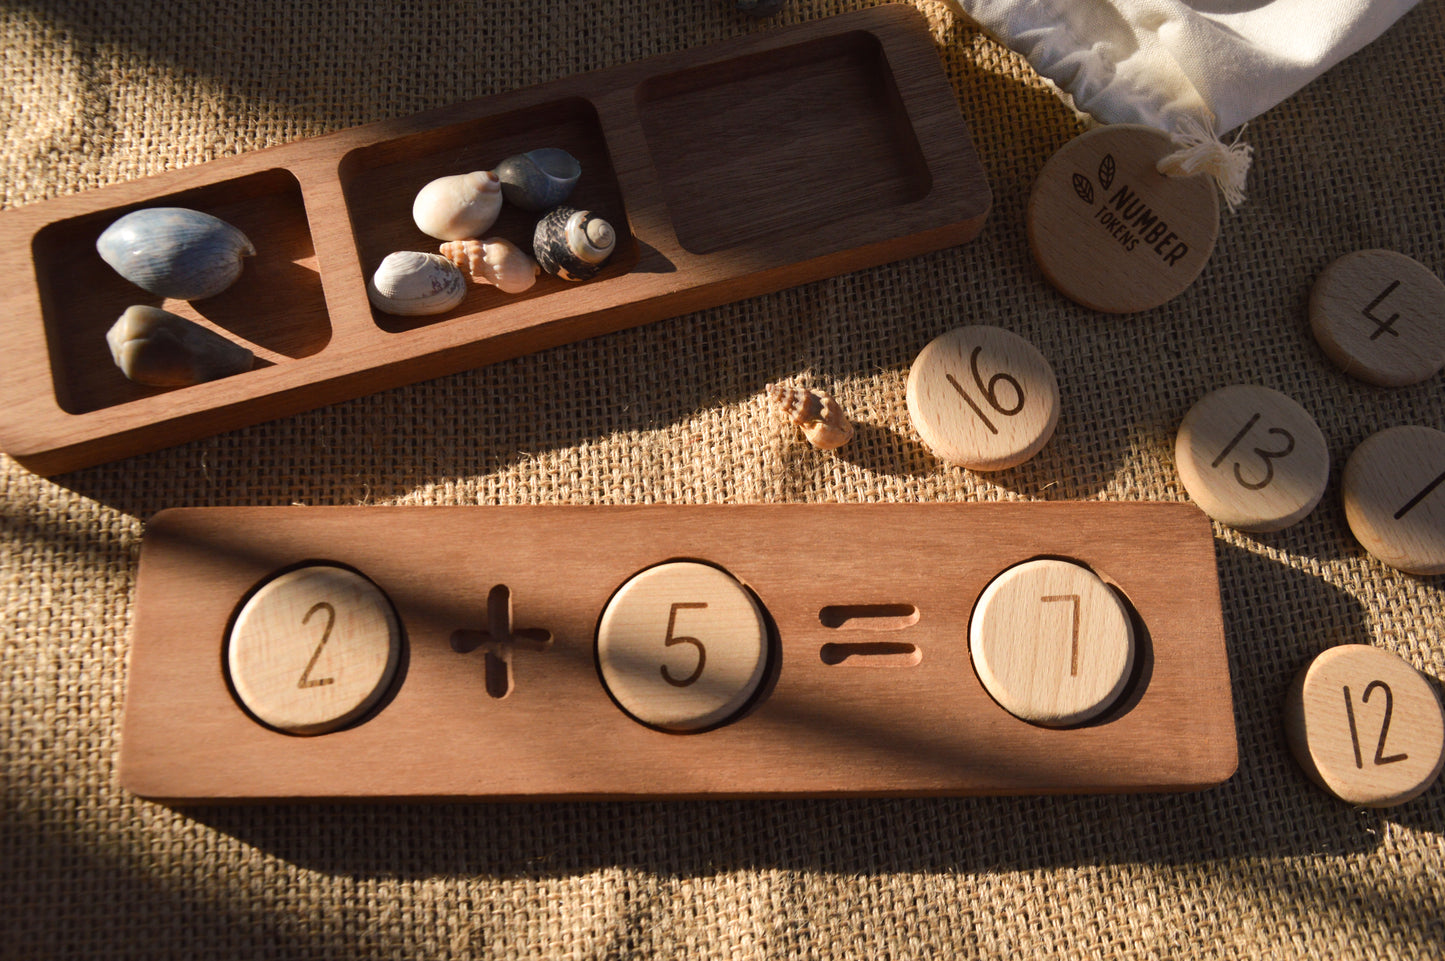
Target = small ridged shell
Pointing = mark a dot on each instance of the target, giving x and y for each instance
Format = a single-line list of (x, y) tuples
[(175, 251), (573, 244), (539, 179), (822, 420), (494, 261), (409, 283), (458, 207), (161, 349)]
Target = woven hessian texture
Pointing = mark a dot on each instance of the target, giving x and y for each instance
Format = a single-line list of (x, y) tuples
[(675, 412)]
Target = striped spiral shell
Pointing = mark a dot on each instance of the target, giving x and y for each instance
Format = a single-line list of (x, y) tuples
[(822, 420)]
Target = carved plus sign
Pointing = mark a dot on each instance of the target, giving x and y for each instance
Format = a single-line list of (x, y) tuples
[(500, 640)]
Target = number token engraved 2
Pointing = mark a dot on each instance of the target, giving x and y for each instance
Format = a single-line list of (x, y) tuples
[(1384, 725), (305, 680), (674, 639)]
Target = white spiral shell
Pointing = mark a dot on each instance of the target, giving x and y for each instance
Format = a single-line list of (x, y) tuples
[(409, 283)]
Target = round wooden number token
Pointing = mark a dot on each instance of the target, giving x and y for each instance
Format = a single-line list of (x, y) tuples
[(313, 649), (1381, 317), (983, 397), (1052, 643), (1366, 726), (1252, 458), (682, 646), (1110, 231), (1394, 493)]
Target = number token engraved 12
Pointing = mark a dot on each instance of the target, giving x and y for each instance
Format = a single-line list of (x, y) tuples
[(1384, 745)]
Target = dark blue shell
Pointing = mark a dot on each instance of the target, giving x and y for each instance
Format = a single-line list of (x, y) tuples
[(538, 179)]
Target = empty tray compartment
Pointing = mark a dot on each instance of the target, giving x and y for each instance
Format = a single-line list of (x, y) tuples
[(380, 182), (276, 304), (755, 148)]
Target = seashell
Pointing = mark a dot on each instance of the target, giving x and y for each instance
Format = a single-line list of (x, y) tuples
[(572, 243), (494, 261), (455, 208), (158, 348), (175, 252), (409, 283), (823, 421), (539, 179)]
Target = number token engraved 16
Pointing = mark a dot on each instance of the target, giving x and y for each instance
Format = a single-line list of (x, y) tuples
[(983, 398)]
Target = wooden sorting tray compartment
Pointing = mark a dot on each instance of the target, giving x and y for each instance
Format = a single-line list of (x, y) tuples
[(728, 171), (870, 688)]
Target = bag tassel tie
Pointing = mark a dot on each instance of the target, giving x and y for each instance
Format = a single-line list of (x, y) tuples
[(1202, 152)]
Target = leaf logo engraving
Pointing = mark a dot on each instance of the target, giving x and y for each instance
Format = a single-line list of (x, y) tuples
[(1106, 171), (1083, 188)]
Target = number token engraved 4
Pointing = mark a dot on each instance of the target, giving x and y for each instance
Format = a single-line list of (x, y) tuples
[(1380, 316)]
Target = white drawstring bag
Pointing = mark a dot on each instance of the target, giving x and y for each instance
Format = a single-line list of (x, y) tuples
[(1192, 68)]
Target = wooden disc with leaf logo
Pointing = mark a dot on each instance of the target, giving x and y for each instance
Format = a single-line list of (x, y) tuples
[(1110, 231)]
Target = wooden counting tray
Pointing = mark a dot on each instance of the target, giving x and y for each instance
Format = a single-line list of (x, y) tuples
[(868, 688), (730, 171)]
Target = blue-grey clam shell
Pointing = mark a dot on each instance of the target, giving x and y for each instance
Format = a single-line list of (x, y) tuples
[(538, 179), (175, 252), (573, 244)]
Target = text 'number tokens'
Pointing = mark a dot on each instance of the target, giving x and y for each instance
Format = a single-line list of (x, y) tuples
[(313, 649), (1394, 493), (1366, 726), (983, 398), (1109, 231), (1252, 458), (682, 646), (1380, 316), (1052, 643)]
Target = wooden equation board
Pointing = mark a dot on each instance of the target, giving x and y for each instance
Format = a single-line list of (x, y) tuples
[(666, 651), (728, 171)]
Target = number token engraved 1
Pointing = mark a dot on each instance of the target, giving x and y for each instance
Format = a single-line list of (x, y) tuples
[(1366, 726), (293, 677), (1394, 494), (682, 646), (1252, 458)]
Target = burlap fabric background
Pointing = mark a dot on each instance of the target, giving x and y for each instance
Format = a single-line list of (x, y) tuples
[(99, 92)]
